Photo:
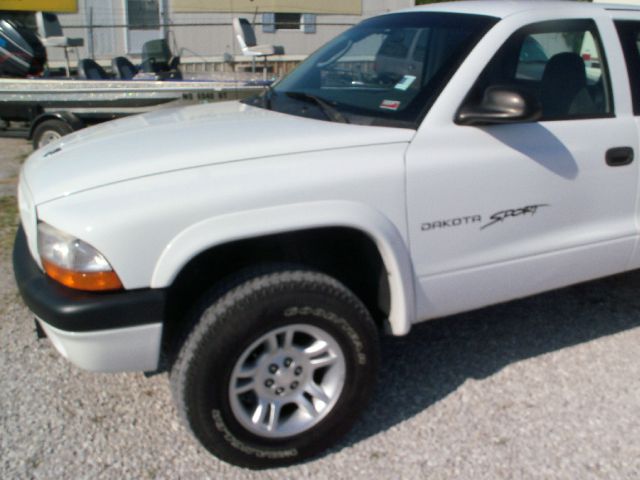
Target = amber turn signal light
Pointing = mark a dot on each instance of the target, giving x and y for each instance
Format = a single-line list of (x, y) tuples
[(89, 281)]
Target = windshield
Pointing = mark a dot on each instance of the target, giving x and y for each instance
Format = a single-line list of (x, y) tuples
[(387, 70)]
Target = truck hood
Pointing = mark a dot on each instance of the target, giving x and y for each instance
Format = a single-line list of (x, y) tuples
[(180, 138)]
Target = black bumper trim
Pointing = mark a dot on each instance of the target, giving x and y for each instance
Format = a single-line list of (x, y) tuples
[(77, 311)]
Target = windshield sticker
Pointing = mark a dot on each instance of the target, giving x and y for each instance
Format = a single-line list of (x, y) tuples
[(390, 105), (405, 83)]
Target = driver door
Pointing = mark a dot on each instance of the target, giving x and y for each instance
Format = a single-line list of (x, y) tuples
[(497, 212)]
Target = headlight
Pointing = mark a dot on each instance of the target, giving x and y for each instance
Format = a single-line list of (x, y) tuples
[(74, 263)]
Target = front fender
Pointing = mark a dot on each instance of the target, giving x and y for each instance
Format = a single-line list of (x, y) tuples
[(224, 229)]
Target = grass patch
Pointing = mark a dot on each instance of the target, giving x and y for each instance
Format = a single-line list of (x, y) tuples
[(8, 224)]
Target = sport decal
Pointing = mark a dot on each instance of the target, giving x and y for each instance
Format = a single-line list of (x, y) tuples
[(503, 215), (493, 219)]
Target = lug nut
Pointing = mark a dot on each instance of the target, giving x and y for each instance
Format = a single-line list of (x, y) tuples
[(273, 368), (294, 385), (268, 383), (298, 370), (279, 391), (288, 362)]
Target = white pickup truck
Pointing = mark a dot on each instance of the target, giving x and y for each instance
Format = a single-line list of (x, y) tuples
[(426, 162)]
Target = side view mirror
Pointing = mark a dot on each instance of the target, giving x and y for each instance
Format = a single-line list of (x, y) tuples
[(500, 105)]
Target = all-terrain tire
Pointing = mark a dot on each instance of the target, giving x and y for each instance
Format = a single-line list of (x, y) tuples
[(309, 350)]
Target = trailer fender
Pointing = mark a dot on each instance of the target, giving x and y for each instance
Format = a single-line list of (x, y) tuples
[(72, 120), (50, 127)]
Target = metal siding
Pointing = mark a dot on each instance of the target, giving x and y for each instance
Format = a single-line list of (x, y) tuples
[(106, 41), (208, 40)]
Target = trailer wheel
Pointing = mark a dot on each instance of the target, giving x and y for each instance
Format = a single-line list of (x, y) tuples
[(49, 131)]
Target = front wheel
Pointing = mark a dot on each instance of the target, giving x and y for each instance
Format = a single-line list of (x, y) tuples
[(277, 369)]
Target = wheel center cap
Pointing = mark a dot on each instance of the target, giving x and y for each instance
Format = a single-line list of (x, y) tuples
[(284, 374)]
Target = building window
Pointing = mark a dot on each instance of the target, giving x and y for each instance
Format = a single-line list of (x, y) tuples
[(143, 14), (287, 21), (305, 22)]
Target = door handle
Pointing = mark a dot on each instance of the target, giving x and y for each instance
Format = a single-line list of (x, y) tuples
[(619, 156)]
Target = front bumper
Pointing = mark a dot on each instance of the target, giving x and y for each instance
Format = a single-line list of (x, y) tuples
[(113, 331)]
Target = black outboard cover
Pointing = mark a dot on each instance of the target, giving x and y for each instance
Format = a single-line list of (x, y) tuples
[(21, 53)]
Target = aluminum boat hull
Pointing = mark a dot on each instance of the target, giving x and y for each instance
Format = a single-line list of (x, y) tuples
[(24, 97)]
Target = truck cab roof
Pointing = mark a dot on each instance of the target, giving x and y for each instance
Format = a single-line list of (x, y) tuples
[(503, 9)]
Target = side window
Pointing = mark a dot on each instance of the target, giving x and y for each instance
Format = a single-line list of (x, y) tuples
[(561, 63), (629, 33)]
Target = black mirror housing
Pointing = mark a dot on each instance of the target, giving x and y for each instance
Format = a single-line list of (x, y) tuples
[(500, 105)]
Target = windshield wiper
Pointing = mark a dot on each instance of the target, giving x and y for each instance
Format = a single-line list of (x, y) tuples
[(330, 111)]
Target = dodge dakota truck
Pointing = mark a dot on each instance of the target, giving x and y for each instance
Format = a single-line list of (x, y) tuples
[(423, 163)]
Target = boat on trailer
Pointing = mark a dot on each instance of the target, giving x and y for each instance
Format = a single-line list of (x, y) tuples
[(44, 109), (66, 105)]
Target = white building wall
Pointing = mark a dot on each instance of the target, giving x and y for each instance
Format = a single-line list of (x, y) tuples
[(206, 41), (98, 42)]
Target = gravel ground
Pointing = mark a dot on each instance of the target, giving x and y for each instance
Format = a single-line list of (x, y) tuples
[(547, 387)]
